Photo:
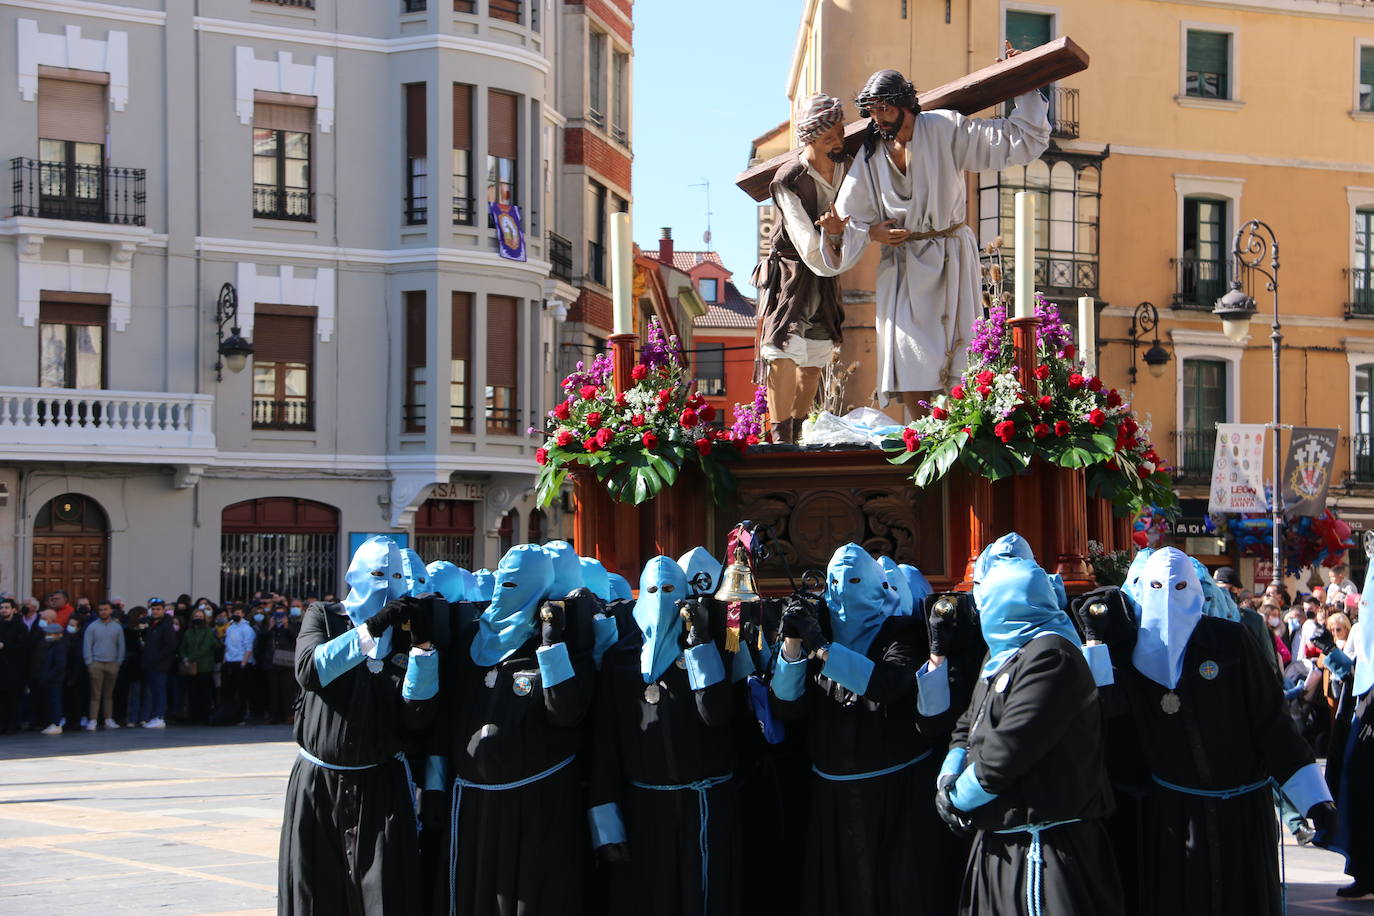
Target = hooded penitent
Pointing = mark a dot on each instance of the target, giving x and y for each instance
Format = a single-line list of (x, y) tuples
[(915, 581), (696, 561), (483, 583), (899, 600), (453, 582), (375, 576), (567, 569), (1060, 593), (1171, 600), (856, 597), (1005, 547), (661, 587), (1131, 587), (1363, 637), (595, 577), (1017, 603), (417, 576), (523, 580), (620, 588), (1216, 602)]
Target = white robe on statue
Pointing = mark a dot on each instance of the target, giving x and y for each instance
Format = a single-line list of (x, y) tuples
[(929, 291)]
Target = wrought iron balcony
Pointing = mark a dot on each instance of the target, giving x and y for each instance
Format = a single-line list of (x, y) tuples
[(502, 419), (86, 193), (105, 425), (1199, 282), (1194, 450), (1060, 273), (271, 202), (1362, 458), (460, 418), (295, 413), (1361, 301), (560, 258), (1063, 113), (463, 208)]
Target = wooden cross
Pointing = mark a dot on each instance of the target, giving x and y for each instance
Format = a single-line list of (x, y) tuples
[(981, 89)]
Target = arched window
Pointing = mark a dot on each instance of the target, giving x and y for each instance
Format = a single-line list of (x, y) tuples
[(279, 544)]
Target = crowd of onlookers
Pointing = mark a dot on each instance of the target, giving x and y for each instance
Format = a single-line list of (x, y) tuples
[(93, 665)]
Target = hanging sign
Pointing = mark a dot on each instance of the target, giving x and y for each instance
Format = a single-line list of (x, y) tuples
[(1238, 469)]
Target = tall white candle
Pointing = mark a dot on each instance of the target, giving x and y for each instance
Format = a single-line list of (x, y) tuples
[(1087, 333), (1025, 254), (622, 273)]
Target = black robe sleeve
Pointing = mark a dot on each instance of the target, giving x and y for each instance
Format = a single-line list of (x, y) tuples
[(567, 702), (1276, 739), (607, 772)]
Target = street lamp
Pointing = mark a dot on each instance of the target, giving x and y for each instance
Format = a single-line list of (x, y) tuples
[(1145, 320), (233, 350), (1254, 240)]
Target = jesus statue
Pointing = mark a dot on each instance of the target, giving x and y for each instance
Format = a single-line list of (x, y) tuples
[(906, 192)]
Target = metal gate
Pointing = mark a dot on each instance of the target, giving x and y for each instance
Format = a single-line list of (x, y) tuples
[(294, 565), (456, 548)]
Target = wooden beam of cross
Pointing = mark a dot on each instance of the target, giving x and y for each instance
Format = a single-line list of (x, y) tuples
[(980, 89)]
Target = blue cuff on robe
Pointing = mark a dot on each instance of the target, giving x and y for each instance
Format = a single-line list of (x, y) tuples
[(607, 827), (704, 666), (741, 665), (932, 689), (554, 665), (338, 656), (1306, 788), (422, 675), (1100, 664), (606, 633), (848, 668), (789, 678), (969, 793), (1339, 663), (436, 774), (954, 761)]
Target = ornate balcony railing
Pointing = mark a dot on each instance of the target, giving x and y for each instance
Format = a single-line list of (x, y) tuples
[(1200, 282), (114, 425), (1193, 453), (270, 202), (1361, 301), (560, 257), (87, 193), (295, 413), (1362, 458)]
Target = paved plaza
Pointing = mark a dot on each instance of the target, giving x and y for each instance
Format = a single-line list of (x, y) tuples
[(185, 821)]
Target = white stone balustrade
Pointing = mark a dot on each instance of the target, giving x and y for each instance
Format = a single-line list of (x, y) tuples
[(106, 425)]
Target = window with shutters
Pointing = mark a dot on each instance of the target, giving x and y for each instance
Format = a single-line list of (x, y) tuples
[(464, 198), (71, 340), (506, 10), (1204, 268), (503, 333), (1363, 440), (413, 411), (710, 359), (71, 149), (1207, 72), (1204, 406), (1364, 80), (282, 161), (596, 232), (620, 97), (417, 196), (1362, 272), (596, 77), (503, 148), (460, 363), (283, 357)]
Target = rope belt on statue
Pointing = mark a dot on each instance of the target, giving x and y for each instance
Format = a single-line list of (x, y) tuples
[(937, 233), (405, 765), (459, 784), (1035, 861), (887, 771), (701, 787)]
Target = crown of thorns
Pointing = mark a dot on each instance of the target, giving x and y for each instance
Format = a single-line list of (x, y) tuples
[(898, 93)]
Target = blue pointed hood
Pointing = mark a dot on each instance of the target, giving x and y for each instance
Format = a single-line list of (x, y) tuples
[(483, 584), (661, 587), (856, 595), (449, 580), (1171, 600), (899, 600), (375, 576), (523, 579), (595, 577), (1060, 593), (1018, 603), (417, 576), (1216, 600), (620, 588), (1006, 547), (915, 581), (1131, 587), (699, 560), (1363, 637), (567, 569)]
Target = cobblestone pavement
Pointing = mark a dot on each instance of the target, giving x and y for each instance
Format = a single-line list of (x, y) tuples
[(185, 821)]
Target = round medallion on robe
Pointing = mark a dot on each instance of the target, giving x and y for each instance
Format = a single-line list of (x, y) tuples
[(1209, 670), (521, 687)]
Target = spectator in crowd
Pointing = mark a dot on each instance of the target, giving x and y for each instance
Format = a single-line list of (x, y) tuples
[(118, 604), (103, 654), (14, 657), (238, 663), (281, 668), (159, 655), (1340, 586), (32, 619), (52, 671), (262, 663), (1278, 594), (1273, 619), (198, 667), (58, 602), (129, 687), (76, 693), (83, 608), (182, 610)]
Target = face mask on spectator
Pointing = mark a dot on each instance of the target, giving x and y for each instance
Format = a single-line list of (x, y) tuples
[(257, 618), (295, 611), (71, 628)]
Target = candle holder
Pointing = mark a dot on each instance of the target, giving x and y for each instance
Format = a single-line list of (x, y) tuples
[(623, 348)]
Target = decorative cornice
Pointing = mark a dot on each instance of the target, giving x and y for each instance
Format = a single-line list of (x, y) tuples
[(106, 11)]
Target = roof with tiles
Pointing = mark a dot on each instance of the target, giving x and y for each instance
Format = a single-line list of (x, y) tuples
[(735, 311)]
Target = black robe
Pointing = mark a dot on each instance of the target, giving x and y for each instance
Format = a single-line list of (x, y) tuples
[(525, 849), (348, 839), (1350, 774), (683, 738), (1204, 855), (1034, 731), (876, 845)]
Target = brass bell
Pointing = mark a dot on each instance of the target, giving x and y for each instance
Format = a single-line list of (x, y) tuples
[(737, 582)]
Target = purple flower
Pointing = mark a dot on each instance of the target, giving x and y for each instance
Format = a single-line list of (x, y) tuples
[(990, 339)]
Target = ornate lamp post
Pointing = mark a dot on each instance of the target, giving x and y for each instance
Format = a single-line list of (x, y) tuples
[(233, 350), (1144, 321)]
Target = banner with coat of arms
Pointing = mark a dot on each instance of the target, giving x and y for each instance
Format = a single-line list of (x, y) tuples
[(510, 231), (1307, 470), (1238, 469)]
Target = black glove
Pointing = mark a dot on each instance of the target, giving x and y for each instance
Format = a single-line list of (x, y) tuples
[(1322, 639), (942, 621), (697, 619), (553, 617), (395, 613), (799, 623), (1324, 818), (956, 819), (1104, 616), (422, 618), (613, 852)]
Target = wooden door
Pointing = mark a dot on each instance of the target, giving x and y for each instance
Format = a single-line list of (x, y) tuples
[(73, 563)]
